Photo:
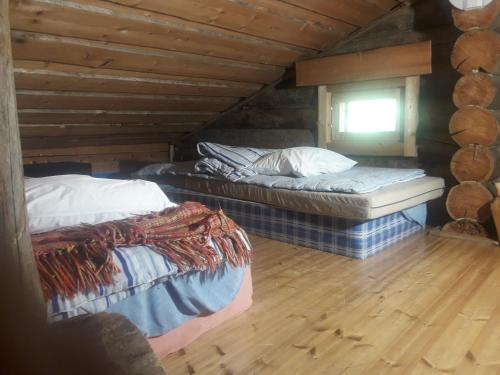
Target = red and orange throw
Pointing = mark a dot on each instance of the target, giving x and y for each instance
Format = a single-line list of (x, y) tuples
[(79, 259)]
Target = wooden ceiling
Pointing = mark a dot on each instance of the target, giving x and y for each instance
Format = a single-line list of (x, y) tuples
[(162, 68)]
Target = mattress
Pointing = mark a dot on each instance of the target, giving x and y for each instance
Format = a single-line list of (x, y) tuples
[(376, 204), (353, 238)]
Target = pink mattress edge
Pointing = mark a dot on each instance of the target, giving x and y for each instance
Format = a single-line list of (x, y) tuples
[(182, 336)]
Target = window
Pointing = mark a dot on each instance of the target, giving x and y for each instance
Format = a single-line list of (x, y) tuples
[(373, 111), (368, 115), (369, 118)]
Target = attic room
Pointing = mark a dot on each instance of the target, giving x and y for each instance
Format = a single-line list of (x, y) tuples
[(250, 186)]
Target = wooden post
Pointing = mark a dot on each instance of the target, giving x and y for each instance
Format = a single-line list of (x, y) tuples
[(99, 344), (23, 308), (411, 115), (324, 116)]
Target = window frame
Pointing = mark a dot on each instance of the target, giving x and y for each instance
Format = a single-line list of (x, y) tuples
[(402, 143)]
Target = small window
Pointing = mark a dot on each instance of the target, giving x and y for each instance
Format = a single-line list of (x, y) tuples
[(369, 118), (369, 112)]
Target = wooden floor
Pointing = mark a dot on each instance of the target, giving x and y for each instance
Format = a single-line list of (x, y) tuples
[(428, 306)]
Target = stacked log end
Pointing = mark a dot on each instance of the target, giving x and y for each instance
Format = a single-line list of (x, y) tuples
[(475, 126)]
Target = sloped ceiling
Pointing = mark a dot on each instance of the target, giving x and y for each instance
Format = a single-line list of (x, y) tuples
[(159, 69)]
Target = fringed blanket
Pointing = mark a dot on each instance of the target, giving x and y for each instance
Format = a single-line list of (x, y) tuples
[(79, 259)]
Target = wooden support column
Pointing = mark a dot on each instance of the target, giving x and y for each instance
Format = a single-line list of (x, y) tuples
[(324, 116), (98, 344), (412, 93), (23, 308)]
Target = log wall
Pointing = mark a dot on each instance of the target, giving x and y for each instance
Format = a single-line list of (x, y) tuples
[(120, 73), (475, 126), (288, 107)]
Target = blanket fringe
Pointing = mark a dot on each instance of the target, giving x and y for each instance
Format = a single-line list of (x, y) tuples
[(79, 259)]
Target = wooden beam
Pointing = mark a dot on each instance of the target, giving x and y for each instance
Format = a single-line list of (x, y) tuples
[(388, 62), (74, 51), (45, 99), (268, 19), (109, 22), (22, 314), (39, 75)]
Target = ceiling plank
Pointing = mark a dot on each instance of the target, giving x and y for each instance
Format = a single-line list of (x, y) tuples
[(38, 75), (268, 19), (355, 12), (120, 24), (40, 99), (34, 46)]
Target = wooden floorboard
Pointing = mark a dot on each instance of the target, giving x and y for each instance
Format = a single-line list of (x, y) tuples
[(429, 305)]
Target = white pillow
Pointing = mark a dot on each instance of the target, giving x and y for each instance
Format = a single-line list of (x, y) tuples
[(60, 201), (302, 162)]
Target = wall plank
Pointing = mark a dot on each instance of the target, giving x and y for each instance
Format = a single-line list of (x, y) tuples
[(59, 130), (125, 156), (60, 116), (44, 47), (38, 75), (43, 99), (29, 143)]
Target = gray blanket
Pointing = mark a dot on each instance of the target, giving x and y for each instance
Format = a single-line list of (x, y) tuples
[(230, 162), (357, 180)]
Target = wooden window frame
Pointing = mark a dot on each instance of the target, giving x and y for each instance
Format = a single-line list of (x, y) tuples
[(373, 145)]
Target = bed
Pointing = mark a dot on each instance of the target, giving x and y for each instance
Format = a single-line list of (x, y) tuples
[(170, 305), (356, 212)]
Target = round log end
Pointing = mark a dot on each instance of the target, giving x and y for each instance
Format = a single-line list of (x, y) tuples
[(467, 227), (469, 200), (473, 163), (474, 89), (483, 18), (474, 126), (476, 50)]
